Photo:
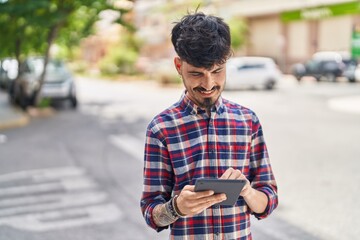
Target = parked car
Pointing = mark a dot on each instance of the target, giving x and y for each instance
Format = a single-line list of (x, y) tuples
[(8, 72), (350, 68), (327, 66), (251, 72), (59, 84), (357, 73)]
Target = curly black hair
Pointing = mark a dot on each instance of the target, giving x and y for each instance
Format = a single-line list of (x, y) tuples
[(202, 40)]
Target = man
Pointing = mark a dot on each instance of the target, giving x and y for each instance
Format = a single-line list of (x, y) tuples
[(205, 136)]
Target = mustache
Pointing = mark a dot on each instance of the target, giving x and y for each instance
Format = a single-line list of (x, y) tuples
[(201, 89)]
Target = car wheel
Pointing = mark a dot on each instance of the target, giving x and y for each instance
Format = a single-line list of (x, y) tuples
[(330, 77), (11, 94), (23, 100), (73, 101), (72, 97), (298, 77), (352, 80), (270, 85)]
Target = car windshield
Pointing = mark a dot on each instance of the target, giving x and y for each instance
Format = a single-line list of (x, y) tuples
[(53, 67), (252, 66), (348, 62)]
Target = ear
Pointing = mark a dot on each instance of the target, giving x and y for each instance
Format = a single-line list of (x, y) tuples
[(178, 63)]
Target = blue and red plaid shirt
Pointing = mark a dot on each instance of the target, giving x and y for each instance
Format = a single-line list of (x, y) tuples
[(183, 144)]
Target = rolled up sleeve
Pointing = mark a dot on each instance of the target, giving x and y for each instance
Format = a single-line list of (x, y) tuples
[(262, 177), (158, 176)]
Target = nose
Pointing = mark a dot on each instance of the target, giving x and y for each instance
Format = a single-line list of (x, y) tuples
[(208, 81)]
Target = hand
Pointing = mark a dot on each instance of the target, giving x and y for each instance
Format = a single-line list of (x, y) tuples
[(231, 173), (190, 203)]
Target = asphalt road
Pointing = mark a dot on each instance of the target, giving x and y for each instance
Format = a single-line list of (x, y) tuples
[(78, 174)]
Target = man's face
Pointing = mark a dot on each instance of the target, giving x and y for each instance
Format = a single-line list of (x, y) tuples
[(204, 86)]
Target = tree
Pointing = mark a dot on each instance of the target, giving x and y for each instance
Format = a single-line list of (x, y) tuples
[(34, 26), (238, 29), (17, 25)]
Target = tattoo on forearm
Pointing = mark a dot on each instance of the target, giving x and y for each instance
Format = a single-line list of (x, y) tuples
[(162, 216)]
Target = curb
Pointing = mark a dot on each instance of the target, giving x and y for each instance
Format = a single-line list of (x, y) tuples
[(33, 112), (14, 123), (22, 119)]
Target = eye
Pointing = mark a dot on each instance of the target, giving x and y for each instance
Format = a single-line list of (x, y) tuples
[(195, 74), (217, 71)]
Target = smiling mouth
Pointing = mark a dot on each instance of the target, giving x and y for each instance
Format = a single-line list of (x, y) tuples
[(205, 91)]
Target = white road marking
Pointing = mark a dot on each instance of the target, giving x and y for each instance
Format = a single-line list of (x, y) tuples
[(72, 184), (43, 174), (54, 198), (130, 144), (57, 220), (350, 104), (3, 138), (35, 199), (65, 201)]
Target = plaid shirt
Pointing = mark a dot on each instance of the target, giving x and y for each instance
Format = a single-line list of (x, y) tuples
[(183, 144)]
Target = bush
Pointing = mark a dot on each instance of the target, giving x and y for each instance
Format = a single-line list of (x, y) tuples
[(78, 67), (119, 60), (163, 71), (168, 78)]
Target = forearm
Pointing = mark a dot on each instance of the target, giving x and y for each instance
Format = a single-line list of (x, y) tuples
[(256, 200), (163, 216)]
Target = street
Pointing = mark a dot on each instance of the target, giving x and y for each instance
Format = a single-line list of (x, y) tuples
[(78, 174)]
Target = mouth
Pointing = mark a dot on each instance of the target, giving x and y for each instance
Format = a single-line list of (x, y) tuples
[(206, 92)]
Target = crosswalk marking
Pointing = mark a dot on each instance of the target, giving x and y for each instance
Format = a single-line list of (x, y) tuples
[(24, 200), (71, 184), (130, 144), (43, 174), (56, 220), (81, 199), (3, 138), (54, 198)]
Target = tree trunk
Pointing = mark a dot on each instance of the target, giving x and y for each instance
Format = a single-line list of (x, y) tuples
[(50, 40), (12, 91)]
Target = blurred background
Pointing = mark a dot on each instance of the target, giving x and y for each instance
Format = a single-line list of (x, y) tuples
[(80, 80)]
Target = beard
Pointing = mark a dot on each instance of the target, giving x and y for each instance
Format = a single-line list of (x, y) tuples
[(207, 104)]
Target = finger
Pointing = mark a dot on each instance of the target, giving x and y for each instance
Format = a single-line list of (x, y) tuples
[(190, 188), (189, 193), (236, 174), (242, 176), (208, 200), (227, 173), (218, 198), (203, 194)]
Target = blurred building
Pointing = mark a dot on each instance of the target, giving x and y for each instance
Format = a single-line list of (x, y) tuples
[(289, 31)]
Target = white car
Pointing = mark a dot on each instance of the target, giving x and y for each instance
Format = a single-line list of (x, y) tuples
[(357, 73), (244, 72), (59, 84)]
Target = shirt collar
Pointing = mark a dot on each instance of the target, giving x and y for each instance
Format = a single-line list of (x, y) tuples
[(192, 108)]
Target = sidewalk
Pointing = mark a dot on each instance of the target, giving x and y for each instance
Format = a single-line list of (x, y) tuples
[(10, 116)]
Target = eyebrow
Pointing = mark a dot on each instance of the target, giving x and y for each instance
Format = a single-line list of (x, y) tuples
[(217, 69)]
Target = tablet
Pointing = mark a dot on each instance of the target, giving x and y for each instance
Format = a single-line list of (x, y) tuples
[(230, 187)]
